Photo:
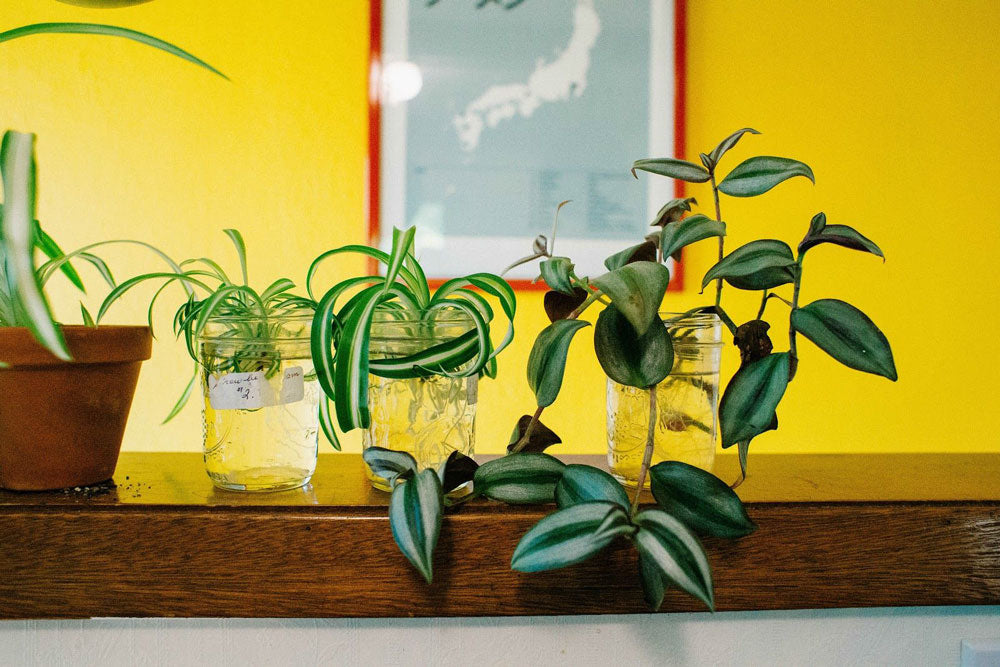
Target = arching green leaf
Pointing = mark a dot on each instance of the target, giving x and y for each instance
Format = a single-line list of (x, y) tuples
[(667, 545), (676, 235), (699, 499), (526, 478), (728, 143), (415, 516), (680, 169), (583, 483), (748, 404), (570, 536), (556, 274), (761, 264), (641, 252)]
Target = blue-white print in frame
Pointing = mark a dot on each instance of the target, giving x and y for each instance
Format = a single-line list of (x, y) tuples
[(490, 117)]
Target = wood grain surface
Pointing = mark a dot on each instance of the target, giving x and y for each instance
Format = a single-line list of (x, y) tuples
[(834, 531)]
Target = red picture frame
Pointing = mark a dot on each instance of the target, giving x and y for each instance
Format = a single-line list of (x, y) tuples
[(373, 206)]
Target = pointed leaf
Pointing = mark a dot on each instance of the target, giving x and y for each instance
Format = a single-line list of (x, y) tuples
[(841, 235), (673, 168), (583, 483), (241, 250), (700, 500), (17, 241), (847, 335), (556, 274), (326, 422), (526, 478), (628, 358), (540, 438), (748, 404), (653, 586), (109, 30), (569, 536), (415, 516), (389, 463), (757, 175), (642, 252), (728, 143), (559, 306), (547, 360), (637, 291), (762, 264), (675, 552), (676, 235)]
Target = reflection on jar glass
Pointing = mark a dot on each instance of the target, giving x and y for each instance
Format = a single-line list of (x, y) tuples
[(687, 403)]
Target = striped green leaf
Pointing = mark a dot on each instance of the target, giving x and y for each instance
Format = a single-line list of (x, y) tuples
[(755, 176), (637, 291), (569, 536), (583, 483), (527, 478), (415, 516), (682, 170), (727, 144), (628, 358), (108, 30), (700, 500), (185, 395), (326, 422), (17, 241), (557, 273), (547, 360), (676, 235), (672, 551), (389, 463), (51, 249), (241, 250), (758, 265), (351, 370), (751, 397), (842, 235), (847, 335)]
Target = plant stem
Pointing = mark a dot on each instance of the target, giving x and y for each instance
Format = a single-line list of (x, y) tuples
[(647, 455), (594, 296), (523, 442), (763, 305), (722, 239), (791, 329)]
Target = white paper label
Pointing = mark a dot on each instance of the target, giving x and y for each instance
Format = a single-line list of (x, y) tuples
[(249, 391)]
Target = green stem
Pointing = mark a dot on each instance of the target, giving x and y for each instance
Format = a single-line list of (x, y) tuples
[(647, 455), (791, 329), (763, 305), (722, 239)]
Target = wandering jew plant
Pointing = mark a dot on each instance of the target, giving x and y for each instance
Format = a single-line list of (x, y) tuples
[(635, 348)]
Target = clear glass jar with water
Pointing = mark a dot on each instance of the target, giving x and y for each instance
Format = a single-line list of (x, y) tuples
[(687, 403)]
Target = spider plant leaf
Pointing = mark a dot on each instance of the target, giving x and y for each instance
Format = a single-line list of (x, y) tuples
[(212, 265), (17, 241), (847, 335), (374, 253), (482, 331), (761, 264), (628, 358), (570, 536), (448, 355), (676, 235), (700, 500), (418, 284), (682, 170), (101, 266), (491, 284), (125, 286), (728, 143), (276, 288), (755, 176), (402, 243), (557, 274), (415, 517), (241, 250), (751, 397), (51, 249), (218, 298), (326, 422), (547, 360), (637, 291), (675, 552), (185, 395), (88, 321), (53, 265), (351, 369), (109, 30), (520, 479), (583, 483)]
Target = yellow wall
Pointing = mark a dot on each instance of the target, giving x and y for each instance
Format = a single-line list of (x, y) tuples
[(894, 105)]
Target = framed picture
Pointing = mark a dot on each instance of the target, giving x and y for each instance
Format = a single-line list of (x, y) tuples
[(485, 115)]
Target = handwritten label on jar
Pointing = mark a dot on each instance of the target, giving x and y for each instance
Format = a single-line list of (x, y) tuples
[(249, 391)]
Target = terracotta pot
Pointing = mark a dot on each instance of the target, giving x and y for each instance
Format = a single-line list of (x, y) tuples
[(61, 423)]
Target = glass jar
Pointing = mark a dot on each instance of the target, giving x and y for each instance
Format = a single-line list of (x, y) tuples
[(261, 413), (687, 403), (429, 417)]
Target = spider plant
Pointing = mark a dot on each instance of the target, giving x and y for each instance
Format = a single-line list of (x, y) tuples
[(341, 335)]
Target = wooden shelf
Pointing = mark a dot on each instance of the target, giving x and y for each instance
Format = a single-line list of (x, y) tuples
[(834, 531)]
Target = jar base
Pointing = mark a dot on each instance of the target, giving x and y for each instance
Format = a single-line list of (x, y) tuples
[(264, 480)]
